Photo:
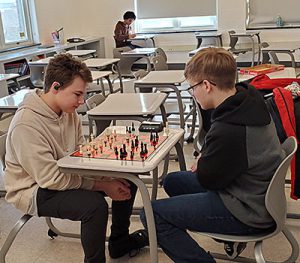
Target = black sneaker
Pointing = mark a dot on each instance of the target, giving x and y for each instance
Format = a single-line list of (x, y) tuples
[(234, 249), (128, 244)]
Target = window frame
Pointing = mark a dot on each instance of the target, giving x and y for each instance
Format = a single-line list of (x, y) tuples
[(28, 29)]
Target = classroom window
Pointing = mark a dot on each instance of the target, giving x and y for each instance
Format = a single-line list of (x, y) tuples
[(15, 23), (175, 24), (175, 15), (265, 14)]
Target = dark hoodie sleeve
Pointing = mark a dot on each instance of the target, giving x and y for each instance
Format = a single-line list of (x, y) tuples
[(224, 157), (121, 33)]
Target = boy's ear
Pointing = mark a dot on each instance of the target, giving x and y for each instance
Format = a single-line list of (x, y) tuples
[(56, 85)]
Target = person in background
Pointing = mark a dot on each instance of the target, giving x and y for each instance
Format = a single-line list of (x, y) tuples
[(123, 31), (46, 128), (225, 190)]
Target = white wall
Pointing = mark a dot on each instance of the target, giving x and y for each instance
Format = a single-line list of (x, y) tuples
[(98, 18)]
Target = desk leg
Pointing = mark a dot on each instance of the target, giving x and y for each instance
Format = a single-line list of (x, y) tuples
[(194, 115), (253, 51), (111, 90), (148, 64), (149, 215), (154, 184), (120, 77), (163, 114), (180, 156)]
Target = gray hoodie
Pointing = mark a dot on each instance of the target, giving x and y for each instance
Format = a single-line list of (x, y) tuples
[(37, 138)]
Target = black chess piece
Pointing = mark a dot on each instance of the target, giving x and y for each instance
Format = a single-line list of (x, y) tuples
[(136, 142), (132, 127), (145, 149)]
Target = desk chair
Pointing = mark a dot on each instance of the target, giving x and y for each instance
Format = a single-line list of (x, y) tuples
[(276, 205), (37, 76), (125, 64), (160, 60)]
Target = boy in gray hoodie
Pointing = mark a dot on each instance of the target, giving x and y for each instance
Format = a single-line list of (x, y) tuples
[(46, 128)]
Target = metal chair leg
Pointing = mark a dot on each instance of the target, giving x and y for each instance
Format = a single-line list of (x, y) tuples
[(58, 232), (294, 245), (12, 235), (258, 252)]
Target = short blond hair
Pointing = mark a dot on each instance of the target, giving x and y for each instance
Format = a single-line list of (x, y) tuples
[(214, 64), (64, 68)]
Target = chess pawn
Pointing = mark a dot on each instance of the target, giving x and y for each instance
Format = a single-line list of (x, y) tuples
[(131, 155), (136, 142), (132, 128), (116, 153), (89, 153), (145, 149), (115, 134)]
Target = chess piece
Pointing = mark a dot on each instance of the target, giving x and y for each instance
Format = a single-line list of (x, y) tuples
[(92, 137), (131, 155), (145, 149), (116, 153), (132, 127), (136, 142), (80, 149)]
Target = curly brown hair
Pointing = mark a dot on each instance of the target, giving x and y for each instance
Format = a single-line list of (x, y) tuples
[(64, 68)]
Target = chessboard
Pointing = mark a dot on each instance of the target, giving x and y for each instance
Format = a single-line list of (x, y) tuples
[(114, 146)]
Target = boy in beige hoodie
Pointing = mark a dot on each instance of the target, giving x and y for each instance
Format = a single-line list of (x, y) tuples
[(46, 128)]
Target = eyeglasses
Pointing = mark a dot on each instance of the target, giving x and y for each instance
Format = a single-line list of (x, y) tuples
[(192, 88)]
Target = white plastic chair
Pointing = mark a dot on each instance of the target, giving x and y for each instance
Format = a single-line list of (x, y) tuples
[(275, 202)]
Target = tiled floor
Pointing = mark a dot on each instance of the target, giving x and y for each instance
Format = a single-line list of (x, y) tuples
[(33, 245)]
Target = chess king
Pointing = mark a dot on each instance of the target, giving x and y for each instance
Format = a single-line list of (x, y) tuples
[(46, 128)]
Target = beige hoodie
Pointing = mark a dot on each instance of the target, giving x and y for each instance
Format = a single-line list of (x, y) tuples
[(37, 138)]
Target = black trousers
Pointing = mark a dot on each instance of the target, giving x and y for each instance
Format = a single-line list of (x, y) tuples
[(91, 209)]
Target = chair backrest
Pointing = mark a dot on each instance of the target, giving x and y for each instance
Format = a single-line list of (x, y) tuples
[(94, 100), (3, 136), (232, 39), (275, 197), (159, 63), (160, 52)]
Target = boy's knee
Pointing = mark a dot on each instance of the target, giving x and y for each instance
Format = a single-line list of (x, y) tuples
[(96, 206), (170, 182)]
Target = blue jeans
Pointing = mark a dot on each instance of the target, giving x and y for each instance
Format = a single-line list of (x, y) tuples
[(191, 207)]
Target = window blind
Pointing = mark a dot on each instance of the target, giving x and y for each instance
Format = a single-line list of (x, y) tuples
[(174, 8), (263, 13)]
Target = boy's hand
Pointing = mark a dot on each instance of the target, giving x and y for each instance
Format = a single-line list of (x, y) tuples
[(116, 189), (132, 35), (195, 165)]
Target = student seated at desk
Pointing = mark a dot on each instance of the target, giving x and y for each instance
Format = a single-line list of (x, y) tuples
[(225, 191), (46, 128), (123, 31)]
